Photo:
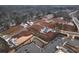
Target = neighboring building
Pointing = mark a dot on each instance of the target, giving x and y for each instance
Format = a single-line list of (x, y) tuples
[(22, 37), (13, 30), (48, 17), (72, 48)]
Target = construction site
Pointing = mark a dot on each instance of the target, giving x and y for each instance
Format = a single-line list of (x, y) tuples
[(43, 32)]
